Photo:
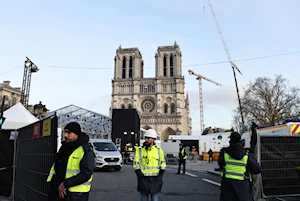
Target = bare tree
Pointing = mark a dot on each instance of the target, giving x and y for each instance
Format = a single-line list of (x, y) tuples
[(269, 102)]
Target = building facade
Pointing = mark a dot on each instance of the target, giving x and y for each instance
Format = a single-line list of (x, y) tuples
[(160, 100), (12, 94)]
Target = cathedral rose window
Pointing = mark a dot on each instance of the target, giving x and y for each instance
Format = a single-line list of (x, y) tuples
[(148, 105)]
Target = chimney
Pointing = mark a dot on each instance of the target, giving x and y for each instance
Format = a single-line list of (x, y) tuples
[(6, 83)]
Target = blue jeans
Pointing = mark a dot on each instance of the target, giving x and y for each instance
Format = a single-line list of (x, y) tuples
[(145, 197)]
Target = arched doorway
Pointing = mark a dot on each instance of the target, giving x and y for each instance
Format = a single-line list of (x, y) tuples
[(165, 134)]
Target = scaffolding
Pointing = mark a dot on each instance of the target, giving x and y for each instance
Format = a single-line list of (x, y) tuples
[(93, 124)]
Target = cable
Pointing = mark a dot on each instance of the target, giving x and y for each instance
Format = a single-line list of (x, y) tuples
[(10, 70), (189, 65)]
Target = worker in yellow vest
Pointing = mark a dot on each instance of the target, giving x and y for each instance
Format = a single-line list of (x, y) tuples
[(236, 164), (71, 175), (149, 164), (181, 158)]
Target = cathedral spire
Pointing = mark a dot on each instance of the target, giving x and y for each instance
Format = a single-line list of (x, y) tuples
[(175, 44)]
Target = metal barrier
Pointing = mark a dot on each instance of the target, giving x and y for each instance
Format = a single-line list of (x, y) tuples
[(278, 157), (36, 148), (6, 164)]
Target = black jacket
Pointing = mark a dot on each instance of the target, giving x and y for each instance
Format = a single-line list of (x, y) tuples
[(235, 190), (86, 164)]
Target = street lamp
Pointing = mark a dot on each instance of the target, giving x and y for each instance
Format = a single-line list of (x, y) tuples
[(40, 110)]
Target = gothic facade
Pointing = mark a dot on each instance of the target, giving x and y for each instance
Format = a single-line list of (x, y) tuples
[(160, 101)]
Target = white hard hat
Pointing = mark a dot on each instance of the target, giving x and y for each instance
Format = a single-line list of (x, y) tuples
[(151, 133)]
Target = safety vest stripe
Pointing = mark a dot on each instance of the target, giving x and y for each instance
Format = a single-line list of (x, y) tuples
[(150, 168), (147, 174), (141, 160), (70, 171), (235, 163), (234, 174), (158, 149), (86, 183), (163, 167)]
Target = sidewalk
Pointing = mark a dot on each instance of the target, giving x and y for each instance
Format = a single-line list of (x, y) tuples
[(200, 166)]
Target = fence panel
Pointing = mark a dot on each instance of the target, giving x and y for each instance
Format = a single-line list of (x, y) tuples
[(36, 148), (279, 158), (6, 163)]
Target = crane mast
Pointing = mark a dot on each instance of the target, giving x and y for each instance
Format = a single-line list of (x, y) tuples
[(199, 78), (233, 66)]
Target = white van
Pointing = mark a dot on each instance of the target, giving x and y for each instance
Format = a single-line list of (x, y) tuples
[(107, 154)]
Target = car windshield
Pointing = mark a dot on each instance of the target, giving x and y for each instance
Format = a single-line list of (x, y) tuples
[(105, 146)]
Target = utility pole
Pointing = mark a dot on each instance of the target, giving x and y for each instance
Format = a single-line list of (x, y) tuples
[(29, 68)]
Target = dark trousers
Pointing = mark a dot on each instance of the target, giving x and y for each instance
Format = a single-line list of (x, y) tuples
[(210, 159), (53, 196), (179, 166)]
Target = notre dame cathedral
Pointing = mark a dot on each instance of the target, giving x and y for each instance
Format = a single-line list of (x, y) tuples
[(160, 100)]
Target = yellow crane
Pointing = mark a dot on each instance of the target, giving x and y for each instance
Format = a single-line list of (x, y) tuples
[(233, 66), (199, 78)]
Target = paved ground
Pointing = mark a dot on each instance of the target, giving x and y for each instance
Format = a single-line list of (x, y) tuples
[(121, 186)]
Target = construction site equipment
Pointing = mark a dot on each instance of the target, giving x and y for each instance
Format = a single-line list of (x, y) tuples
[(199, 78), (233, 65), (29, 68)]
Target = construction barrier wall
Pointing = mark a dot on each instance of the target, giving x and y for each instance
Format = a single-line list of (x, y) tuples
[(279, 157), (36, 149), (6, 163)]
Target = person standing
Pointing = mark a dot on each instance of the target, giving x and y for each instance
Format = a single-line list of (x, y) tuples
[(149, 164), (71, 175), (182, 158), (237, 166), (210, 156)]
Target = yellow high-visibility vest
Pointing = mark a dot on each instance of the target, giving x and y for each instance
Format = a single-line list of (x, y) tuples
[(73, 168), (149, 161), (235, 169), (182, 153)]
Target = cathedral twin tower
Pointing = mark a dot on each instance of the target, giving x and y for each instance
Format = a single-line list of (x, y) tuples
[(160, 100)]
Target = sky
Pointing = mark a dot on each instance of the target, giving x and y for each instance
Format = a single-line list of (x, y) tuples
[(86, 34)]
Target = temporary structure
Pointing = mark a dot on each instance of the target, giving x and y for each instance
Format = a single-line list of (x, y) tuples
[(17, 117)]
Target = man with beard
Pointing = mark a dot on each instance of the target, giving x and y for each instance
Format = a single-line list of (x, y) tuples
[(149, 164), (71, 174), (237, 164)]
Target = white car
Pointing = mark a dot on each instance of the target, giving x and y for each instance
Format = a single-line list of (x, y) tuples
[(107, 154)]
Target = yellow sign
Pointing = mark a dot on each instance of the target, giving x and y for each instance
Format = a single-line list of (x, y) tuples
[(47, 127)]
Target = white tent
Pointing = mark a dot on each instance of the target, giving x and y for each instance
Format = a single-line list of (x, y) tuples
[(17, 117)]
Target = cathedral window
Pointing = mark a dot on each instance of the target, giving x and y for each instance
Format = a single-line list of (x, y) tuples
[(171, 66), (165, 108), (165, 66), (123, 106), (130, 67), (124, 68), (131, 88), (172, 108), (129, 106), (164, 87)]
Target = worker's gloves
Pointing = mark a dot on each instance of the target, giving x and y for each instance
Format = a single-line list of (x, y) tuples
[(139, 174)]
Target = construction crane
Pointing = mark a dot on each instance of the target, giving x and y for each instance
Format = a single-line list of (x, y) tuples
[(29, 68), (233, 66), (199, 78)]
